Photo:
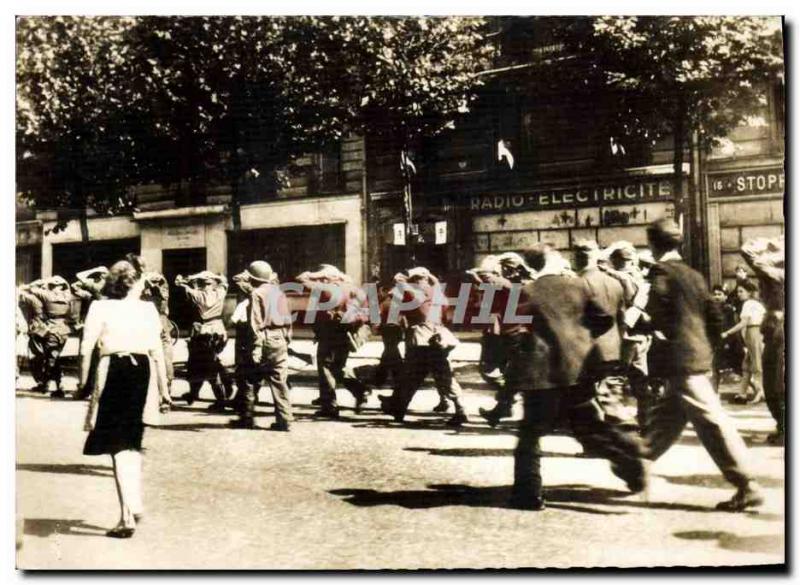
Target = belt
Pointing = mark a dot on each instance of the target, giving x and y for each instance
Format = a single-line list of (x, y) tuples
[(128, 354)]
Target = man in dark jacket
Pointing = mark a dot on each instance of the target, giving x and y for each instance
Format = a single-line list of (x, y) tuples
[(549, 367), (678, 307), (606, 365)]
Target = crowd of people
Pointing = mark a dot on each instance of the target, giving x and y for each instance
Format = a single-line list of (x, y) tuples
[(576, 341)]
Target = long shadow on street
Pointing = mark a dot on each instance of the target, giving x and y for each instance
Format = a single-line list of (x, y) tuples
[(561, 497)]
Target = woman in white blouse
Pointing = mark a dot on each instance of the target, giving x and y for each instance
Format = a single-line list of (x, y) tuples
[(130, 377), (750, 319)]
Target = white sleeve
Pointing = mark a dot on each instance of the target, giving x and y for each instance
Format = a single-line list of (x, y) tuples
[(153, 326), (92, 327)]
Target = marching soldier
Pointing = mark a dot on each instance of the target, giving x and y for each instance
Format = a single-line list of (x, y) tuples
[(246, 374), (338, 333), (636, 337), (428, 343), (513, 271), (156, 290), (49, 331), (270, 328), (206, 292), (88, 288)]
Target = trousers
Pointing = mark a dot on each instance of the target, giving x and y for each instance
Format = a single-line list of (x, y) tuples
[(331, 361), (577, 408), (422, 360), (774, 365), (271, 363), (691, 398)]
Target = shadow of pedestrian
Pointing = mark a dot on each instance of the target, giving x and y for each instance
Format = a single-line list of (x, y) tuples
[(718, 481), (71, 468), (44, 527), (194, 427), (760, 543), (483, 452), (751, 439), (441, 495)]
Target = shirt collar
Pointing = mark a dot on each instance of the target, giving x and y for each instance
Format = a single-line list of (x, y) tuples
[(671, 255)]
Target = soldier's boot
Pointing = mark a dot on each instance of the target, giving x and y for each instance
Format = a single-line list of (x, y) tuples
[(219, 397), (460, 417)]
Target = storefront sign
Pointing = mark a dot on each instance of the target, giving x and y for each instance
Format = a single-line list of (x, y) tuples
[(638, 190), (743, 183), (184, 236)]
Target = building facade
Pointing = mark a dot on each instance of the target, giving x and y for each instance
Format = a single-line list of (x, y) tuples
[(561, 178)]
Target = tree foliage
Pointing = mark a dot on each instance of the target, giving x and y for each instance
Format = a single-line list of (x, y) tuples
[(105, 103), (679, 73)]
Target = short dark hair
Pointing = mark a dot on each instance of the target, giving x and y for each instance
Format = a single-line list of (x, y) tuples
[(748, 285), (120, 279), (718, 287), (536, 254)]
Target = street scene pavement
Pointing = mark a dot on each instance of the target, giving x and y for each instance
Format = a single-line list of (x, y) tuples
[(365, 492)]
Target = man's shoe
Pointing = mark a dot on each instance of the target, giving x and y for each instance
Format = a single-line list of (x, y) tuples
[(332, 413), (120, 532), (361, 400), (491, 416), (316, 402), (59, 393), (40, 388), (457, 420), (217, 407), (532, 503), (188, 398), (242, 423), (776, 439), (281, 427), (749, 496), (443, 406)]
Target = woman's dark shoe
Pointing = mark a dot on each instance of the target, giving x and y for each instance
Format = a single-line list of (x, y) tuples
[(491, 416), (120, 532), (188, 398)]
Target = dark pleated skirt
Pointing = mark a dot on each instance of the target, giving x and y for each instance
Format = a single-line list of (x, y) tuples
[(119, 425)]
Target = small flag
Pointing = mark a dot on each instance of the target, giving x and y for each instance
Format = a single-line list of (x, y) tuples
[(504, 152), (441, 232), (399, 234), (407, 163)]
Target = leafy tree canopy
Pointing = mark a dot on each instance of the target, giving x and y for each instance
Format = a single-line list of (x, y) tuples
[(105, 103)]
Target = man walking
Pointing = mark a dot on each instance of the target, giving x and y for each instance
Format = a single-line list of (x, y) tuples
[(334, 329), (48, 334), (548, 367), (678, 307), (608, 294), (270, 327), (767, 259), (206, 292), (428, 343)]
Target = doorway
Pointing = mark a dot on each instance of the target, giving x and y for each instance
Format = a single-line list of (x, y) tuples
[(185, 261)]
